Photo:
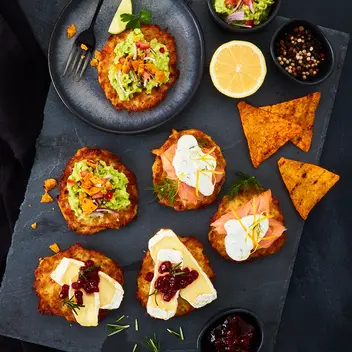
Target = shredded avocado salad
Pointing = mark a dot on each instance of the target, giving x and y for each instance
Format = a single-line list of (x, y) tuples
[(138, 65), (95, 188), (243, 13)]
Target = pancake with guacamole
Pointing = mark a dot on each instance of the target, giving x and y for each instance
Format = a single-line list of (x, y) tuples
[(97, 192), (137, 67), (244, 13)]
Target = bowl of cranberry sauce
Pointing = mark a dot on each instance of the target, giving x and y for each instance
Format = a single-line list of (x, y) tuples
[(233, 330)]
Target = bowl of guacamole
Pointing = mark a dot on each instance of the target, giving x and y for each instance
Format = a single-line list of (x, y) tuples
[(242, 16)]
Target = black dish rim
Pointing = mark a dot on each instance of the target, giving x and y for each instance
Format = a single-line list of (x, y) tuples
[(177, 111)]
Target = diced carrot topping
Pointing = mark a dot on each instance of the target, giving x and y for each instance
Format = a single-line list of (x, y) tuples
[(46, 198), (55, 248), (34, 225), (160, 76), (135, 65), (71, 31), (49, 184)]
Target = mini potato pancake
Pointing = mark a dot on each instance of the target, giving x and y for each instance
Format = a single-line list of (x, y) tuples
[(48, 290), (140, 101), (143, 286), (182, 198), (217, 239), (90, 225)]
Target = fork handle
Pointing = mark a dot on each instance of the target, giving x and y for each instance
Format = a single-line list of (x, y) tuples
[(96, 14)]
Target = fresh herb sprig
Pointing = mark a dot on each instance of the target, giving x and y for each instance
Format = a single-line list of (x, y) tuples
[(134, 347), (135, 20), (202, 142), (154, 293), (116, 328), (152, 343), (243, 182), (166, 189), (180, 334), (173, 269), (69, 302)]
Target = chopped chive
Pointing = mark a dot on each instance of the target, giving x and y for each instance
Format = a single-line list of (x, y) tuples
[(136, 324), (181, 334), (134, 347)]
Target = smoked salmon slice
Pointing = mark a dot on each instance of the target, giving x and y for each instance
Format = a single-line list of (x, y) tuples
[(186, 193), (257, 205)]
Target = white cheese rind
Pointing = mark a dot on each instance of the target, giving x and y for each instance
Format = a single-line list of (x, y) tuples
[(58, 274), (118, 295), (188, 162), (237, 243)]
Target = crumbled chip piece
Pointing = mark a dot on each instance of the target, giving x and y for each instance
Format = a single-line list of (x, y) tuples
[(83, 56), (46, 198), (84, 47), (94, 62), (98, 55), (53, 209), (30, 205), (49, 184), (71, 31), (55, 248), (34, 225)]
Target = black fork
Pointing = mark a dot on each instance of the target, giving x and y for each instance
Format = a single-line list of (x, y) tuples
[(82, 49)]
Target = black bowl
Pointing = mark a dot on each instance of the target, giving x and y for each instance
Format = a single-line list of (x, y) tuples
[(222, 23), (324, 70), (248, 316)]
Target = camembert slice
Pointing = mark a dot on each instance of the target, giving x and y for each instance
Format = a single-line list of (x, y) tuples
[(201, 292), (110, 291), (156, 306), (87, 315), (66, 270)]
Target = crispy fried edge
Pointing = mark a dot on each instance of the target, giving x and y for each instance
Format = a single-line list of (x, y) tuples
[(160, 175), (48, 290), (92, 226), (218, 240), (196, 248), (140, 101)]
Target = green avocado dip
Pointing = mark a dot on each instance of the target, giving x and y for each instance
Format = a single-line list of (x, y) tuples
[(95, 188), (138, 65), (244, 13)]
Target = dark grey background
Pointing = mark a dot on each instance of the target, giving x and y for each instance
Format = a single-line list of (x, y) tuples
[(300, 330)]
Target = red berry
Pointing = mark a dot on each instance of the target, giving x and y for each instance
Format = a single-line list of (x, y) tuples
[(149, 277), (64, 291), (162, 50), (76, 286), (89, 263), (164, 267), (109, 195)]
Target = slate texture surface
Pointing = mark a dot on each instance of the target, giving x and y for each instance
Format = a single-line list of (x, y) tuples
[(260, 285)]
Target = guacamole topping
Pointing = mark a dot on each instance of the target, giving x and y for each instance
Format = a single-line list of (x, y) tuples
[(244, 13), (139, 65), (96, 188)]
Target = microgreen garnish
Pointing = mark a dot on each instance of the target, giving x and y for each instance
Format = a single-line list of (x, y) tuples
[(116, 328), (152, 343), (73, 305), (202, 142), (167, 188), (242, 183), (135, 20), (134, 347), (136, 325), (154, 293)]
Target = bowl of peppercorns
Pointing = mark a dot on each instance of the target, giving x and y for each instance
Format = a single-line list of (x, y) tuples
[(302, 52)]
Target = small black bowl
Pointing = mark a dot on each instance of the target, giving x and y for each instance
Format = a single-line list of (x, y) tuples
[(248, 316), (324, 70), (222, 23)]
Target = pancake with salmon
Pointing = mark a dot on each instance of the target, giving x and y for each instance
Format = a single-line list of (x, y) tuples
[(57, 296), (97, 192), (192, 271), (137, 67), (248, 222), (188, 171)]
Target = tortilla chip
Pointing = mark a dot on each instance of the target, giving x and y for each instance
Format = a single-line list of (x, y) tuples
[(306, 183), (265, 132), (302, 112), (49, 184)]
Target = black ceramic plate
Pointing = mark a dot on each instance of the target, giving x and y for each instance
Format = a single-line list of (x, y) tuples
[(87, 100)]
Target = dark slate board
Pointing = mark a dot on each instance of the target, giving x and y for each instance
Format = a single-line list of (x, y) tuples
[(260, 285)]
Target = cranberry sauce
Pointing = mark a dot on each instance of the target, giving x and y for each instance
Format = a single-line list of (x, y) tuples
[(233, 335), (64, 291), (88, 278), (173, 279), (149, 276)]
